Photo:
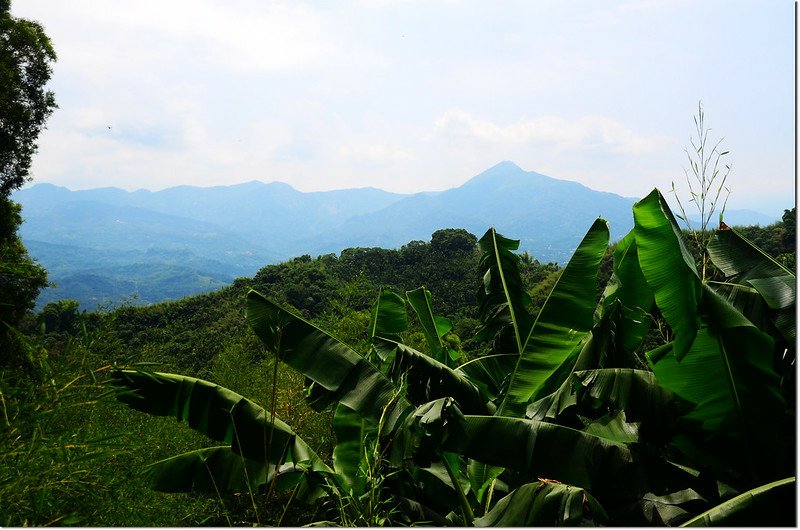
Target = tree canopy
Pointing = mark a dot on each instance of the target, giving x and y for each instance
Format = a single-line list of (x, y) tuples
[(26, 57)]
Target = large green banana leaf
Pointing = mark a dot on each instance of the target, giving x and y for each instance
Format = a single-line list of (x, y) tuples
[(636, 392), (530, 446), (609, 401), (668, 268), (433, 327), (389, 320), (585, 460), (349, 377), (428, 431), (747, 267), (218, 469), (490, 372), (426, 379), (545, 503), (564, 321), (502, 298), (389, 317), (666, 510), (599, 350), (209, 470), (629, 287), (728, 374), (217, 412), (255, 437), (352, 433), (482, 477), (772, 504)]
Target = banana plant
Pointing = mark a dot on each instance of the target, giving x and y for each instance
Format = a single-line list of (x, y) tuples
[(561, 423)]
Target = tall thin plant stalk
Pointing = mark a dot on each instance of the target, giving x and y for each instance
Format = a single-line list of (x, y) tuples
[(706, 178)]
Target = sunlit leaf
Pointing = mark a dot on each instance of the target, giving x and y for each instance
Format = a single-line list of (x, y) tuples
[(347, 376), (564, 320), (668, 268), (433, 327)]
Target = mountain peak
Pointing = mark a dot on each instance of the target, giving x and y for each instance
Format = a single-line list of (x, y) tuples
[(504, 168), (505, 172), (505, 165)]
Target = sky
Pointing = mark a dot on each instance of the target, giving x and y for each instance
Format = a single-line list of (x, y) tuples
[(412, 96)]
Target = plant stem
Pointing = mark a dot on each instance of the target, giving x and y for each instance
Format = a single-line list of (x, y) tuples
[(466, 509)]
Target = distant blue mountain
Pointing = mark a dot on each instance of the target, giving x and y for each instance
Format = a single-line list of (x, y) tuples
[(107, 244), (738, 218), (548, 216)]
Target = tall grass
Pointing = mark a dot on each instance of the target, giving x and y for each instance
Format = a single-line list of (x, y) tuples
[(70, 454)]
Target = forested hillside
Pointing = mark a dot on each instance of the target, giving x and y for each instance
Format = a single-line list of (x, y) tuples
[(208, 336)]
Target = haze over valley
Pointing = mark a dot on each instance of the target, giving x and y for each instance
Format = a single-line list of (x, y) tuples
[(107, 246)]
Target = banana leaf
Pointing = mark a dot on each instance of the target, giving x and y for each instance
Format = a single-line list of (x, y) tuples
[(668, 268), (529, 446), (427, 432), (545, 503), (618, 404), (352, 432), (347, 376), (563, 322), (255, 437), (490, 372), (217, 412), (482, 477), (628, 286), (748, 267), (427, 379), (599, 350), (433, 327), (502, 299), (728, 374), (389, 319), (585, 460), (216, 470), (636, 393), (613, 426), (772, 504), (669, 509), (210, 470)]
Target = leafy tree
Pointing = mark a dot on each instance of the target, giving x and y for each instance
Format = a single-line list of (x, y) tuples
[(21, 279), (26, 56), (25, 67), (777, 239), (60, 317)]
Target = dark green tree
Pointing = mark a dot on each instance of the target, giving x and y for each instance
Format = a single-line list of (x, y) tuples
[(26, 56)]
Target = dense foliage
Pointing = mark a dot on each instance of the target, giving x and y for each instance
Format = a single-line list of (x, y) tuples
[(207, 336), (20, 281), (26, 57), (703, 433)]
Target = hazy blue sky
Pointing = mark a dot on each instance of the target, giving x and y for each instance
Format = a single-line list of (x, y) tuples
[(413, 96)]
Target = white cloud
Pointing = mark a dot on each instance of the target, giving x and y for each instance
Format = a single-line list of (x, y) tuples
[(374, 153), (332, 95), (254, 37), (592, 132)]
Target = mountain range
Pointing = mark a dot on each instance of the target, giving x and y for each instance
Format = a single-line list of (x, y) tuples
[(105, 245)]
